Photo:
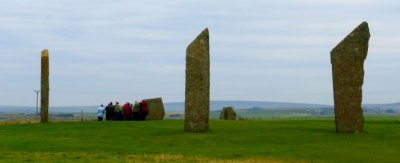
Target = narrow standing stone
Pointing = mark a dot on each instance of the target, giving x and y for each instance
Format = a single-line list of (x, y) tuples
[(197, 92), (44, 91), (347, 60)]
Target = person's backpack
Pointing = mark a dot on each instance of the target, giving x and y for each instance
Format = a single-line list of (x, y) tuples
[(108, 109), (127, 109), (112, 109), (143, 106), (117, 109), (136, 107)]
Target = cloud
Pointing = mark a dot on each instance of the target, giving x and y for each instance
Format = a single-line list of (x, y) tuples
[(365, 2), (120, 50)]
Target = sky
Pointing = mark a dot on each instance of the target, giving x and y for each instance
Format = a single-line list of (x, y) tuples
[(126, 50)]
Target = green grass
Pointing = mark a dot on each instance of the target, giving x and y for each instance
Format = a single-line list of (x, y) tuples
[(292, 140)]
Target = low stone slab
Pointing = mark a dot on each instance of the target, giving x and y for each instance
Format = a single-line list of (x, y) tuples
[(228, 113), (156, 109)]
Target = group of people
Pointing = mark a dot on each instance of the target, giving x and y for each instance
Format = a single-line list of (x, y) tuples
[(136, 111)]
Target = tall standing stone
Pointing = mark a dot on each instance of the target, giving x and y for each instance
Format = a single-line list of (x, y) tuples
[(347, 60), (44, 91), (197, 92)]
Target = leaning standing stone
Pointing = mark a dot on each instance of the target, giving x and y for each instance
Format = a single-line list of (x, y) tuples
[(228, 113), (44, 91), (347, 60), (197, 92)]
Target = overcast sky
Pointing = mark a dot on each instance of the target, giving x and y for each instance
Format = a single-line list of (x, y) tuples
[(124, 50)]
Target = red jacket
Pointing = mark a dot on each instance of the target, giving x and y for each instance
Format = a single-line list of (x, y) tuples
[(143, 106), (127, 109)]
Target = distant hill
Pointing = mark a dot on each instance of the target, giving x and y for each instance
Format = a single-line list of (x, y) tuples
[(395, 106), (66, 109), (17, 109), (218, 105), (214, 106)]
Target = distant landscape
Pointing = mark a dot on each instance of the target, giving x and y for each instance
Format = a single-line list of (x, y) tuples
[(245, 110), (214, 106)]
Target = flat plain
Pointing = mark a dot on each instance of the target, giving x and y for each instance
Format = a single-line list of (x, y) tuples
[(274, 140)]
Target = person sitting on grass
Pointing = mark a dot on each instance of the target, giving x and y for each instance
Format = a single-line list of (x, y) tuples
[(100, 112)]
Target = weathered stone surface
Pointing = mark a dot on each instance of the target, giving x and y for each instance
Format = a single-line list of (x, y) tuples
[(197, 92), (347, 60), (156, 109), (228, 113), (44, 91)]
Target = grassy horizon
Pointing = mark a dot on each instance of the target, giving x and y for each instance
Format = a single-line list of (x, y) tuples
[(283, 140)]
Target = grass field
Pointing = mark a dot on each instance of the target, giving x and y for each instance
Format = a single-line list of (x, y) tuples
[(286, 140)]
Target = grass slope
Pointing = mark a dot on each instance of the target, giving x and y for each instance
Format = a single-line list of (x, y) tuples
[(302, 140)]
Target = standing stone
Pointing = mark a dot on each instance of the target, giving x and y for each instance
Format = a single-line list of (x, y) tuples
[(44, 91), (347, 60), (156, 109), (228, 113), (197, 92)]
